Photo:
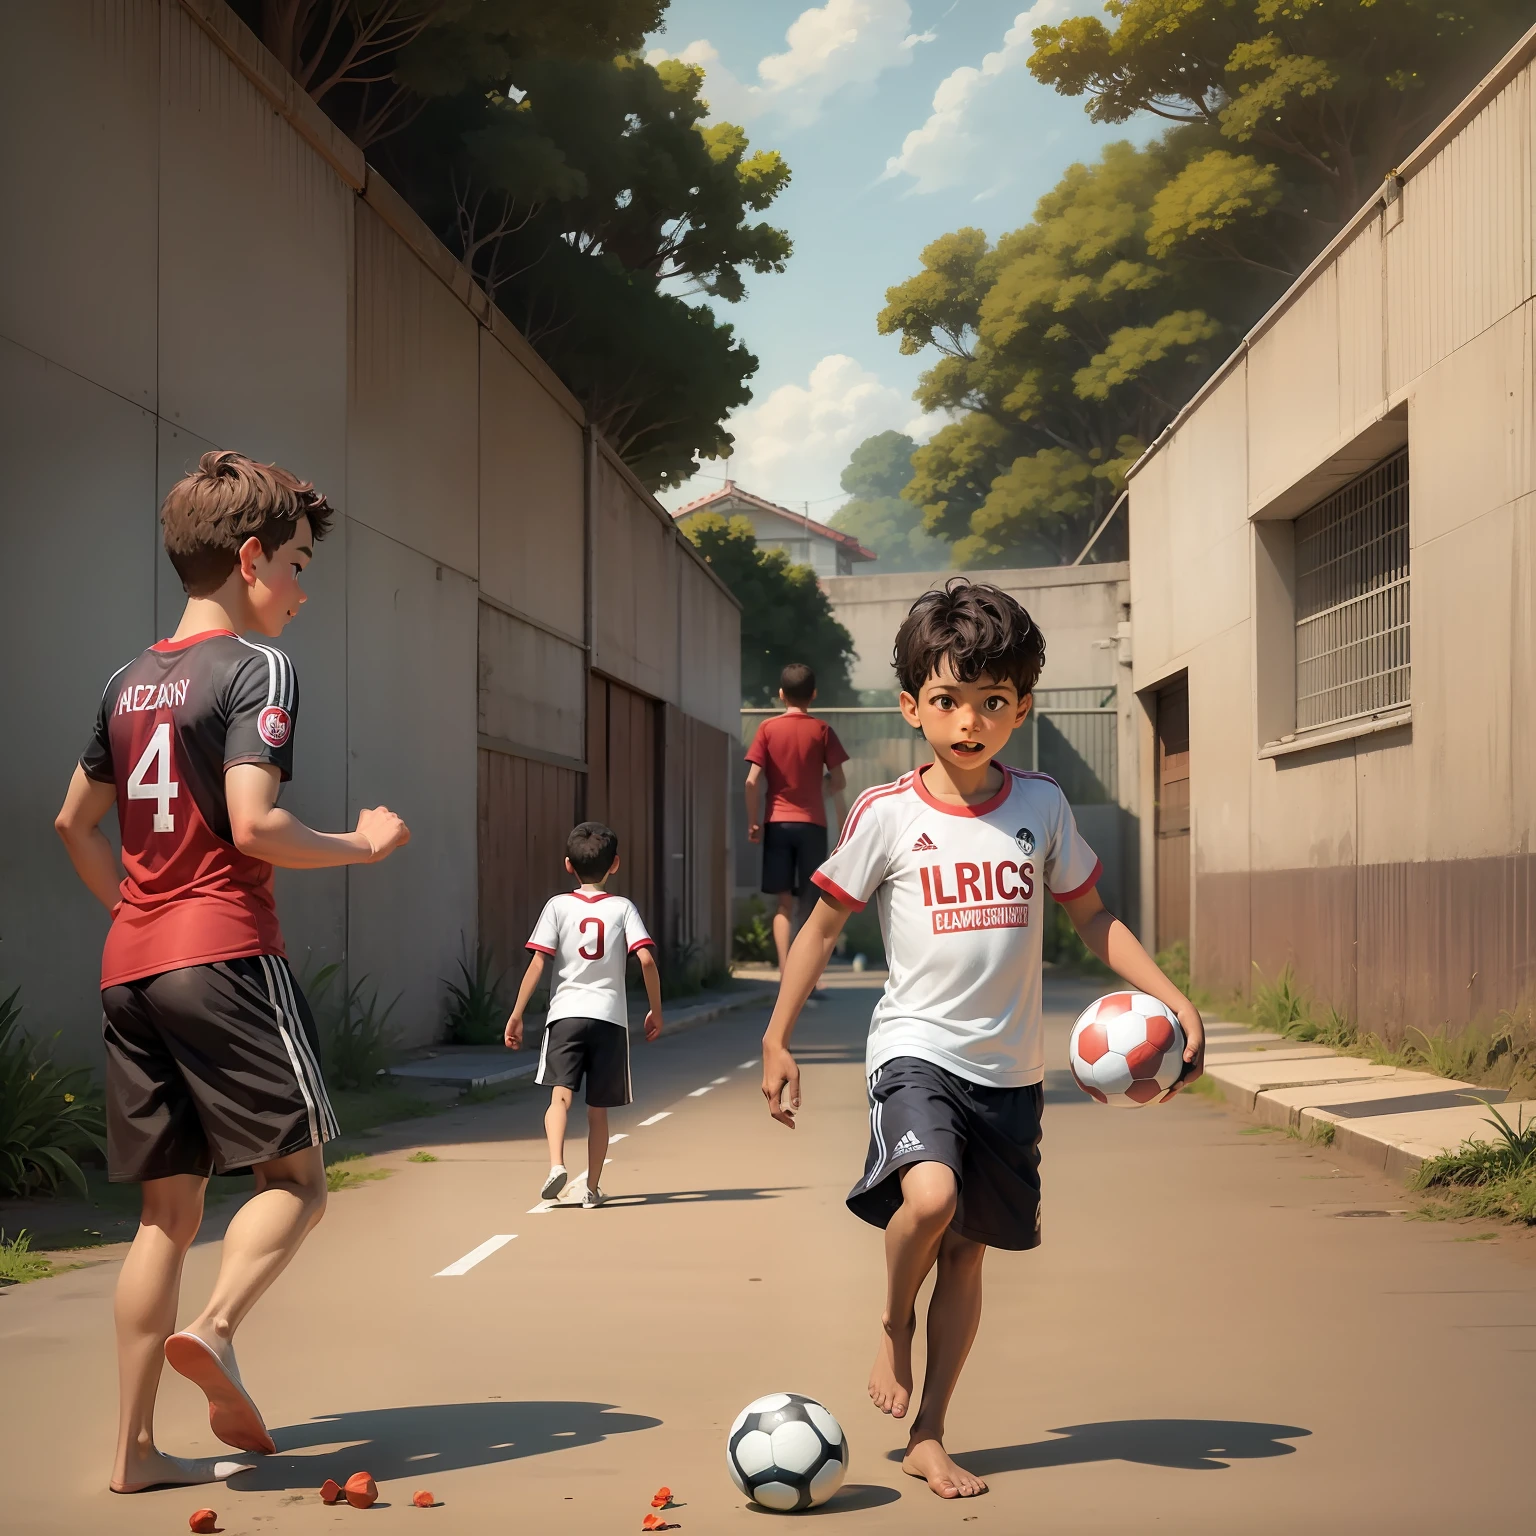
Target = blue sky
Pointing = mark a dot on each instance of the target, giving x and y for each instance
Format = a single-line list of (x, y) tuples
[(901, 120)]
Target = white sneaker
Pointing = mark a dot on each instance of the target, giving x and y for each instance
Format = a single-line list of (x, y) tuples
[(554, 1183), (592, 1199)]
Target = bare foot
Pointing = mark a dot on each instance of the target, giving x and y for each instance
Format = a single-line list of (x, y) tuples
[(890, 1381), (927, 1459), (157, 1470)]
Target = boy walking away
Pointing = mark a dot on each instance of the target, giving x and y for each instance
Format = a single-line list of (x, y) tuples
[(212, 1059), (956, 854), (590, 936), (802, 760)]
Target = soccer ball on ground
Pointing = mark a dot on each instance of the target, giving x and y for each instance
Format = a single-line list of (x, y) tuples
[(1127, 1049), (786, 1452)]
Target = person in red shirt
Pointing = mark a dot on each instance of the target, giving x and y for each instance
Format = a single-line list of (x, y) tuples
[(213, 1064), (801, 760)]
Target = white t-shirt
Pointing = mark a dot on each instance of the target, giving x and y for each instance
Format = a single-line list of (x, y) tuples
[(960, 911), (589, 935)]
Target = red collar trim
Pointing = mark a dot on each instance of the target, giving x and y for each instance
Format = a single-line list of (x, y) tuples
[(181, 645), (985, 808), (590, 895)]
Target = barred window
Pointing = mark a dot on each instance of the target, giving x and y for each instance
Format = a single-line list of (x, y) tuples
[(1352, 657)]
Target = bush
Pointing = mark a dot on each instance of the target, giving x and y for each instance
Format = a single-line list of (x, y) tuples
[(753, 938), (476, 1013), (356, 1043), (49, 1119)]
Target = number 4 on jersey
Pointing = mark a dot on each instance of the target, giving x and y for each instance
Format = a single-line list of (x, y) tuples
[(162, 789)]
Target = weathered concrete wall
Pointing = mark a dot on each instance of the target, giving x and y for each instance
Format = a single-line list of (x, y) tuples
[(1392, 867), (266, 292)]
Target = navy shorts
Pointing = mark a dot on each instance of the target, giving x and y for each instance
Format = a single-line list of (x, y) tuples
[(990, 1137), (792, 852)]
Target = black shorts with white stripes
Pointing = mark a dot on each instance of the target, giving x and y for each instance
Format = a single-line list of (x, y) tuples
[(211, 1069), (990, 1137)]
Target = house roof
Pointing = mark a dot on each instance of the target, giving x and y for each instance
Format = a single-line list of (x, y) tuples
[(731, 491)]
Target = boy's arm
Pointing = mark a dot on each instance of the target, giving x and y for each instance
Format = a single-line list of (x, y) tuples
[(652, 979), (1121, 951), (837, 782), (755, 803), (513, 1035), (808, 958), (79, 823), (258, 827)]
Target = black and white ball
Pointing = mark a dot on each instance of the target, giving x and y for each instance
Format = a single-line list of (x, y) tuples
[(786, 1452)]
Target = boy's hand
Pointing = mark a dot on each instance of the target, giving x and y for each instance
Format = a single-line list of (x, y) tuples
[(514, 1032), (781, 1084), (1194, 1049), (384, 830), (755, 832), (652, 1025)]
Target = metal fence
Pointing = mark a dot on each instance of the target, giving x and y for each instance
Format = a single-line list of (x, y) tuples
[(1352, 641), (1070, 734)]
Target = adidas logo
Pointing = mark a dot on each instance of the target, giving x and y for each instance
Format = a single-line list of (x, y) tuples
[(925, 844), (908, 1143)]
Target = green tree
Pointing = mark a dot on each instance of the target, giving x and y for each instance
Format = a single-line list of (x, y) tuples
[(579, 185), (1335, 91), (785, 616), (877, 517)]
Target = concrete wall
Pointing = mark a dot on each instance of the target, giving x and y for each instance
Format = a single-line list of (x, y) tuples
[(1390, 860), (193, 257)]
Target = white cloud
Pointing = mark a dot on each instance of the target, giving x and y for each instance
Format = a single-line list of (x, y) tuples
[(793, 445), (968, 125), (829, 47)]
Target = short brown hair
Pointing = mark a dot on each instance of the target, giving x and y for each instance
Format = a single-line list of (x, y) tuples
[(226, 500), (797, 682), (981, 630), (592, 848)]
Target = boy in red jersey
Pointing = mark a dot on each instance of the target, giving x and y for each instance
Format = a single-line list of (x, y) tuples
[(800, 760), (212, 1056), (957, 854)]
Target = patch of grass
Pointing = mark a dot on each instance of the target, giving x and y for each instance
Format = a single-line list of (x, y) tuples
[(1206, 1088), (362, 1109), (51, 1120), (752, 939), (1491, 1179), (1259, 1130), (1323, 1133), (421, 1157), (1475, 1237), (341, 1175), (18, 1263), (475, 1010)]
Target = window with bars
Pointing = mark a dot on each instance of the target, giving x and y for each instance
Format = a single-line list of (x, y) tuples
[(1352, 651)]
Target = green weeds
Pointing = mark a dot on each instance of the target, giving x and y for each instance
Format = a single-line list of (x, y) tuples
[(421, 1157), (18, 1263), (752, 940), (1492, 1179), (357, 1045), (475, 1011), (50, 1119), (341, 1175)]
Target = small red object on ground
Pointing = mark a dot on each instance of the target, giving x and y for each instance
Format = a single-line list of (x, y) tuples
[(361, 1490), (330, 1491), (652, 1523), (203, 1520), (422, 1499), (662, 1499)]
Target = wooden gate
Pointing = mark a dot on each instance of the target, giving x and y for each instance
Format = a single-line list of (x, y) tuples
[(1171, 812)]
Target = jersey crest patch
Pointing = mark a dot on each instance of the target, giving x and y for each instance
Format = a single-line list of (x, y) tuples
[(1025, 839), (273, 724)]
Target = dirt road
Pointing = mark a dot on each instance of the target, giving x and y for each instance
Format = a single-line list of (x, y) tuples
[(1221, 1333)]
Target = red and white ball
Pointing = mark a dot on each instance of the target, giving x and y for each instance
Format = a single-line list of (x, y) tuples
[(1127, 1049)]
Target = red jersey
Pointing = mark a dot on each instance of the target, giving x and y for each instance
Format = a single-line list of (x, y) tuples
[(794, 751), (170, 723)]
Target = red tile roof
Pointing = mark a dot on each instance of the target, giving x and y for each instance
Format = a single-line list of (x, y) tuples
[(730, 489)]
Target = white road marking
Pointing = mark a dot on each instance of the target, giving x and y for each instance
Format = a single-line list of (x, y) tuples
[(542, 1207), (617, 1136), (655, 1118), (698, 1093), (717, 1081), (475, 1255), (747, 1065)]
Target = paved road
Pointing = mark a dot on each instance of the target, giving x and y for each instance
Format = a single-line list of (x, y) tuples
[(1213, 1338)]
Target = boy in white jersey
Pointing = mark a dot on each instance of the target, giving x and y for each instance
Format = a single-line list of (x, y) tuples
[(590, 936), (958, 855)]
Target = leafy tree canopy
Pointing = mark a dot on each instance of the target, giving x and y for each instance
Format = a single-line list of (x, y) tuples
[(579, 184), (877, 517), (785, 616)]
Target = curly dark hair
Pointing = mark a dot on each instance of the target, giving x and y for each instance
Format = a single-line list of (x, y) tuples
[(980, 629)]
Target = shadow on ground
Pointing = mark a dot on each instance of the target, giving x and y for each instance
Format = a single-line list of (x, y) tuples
[(1192, 1445), (850, 1498), (433, 1437), (681, 1196)]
